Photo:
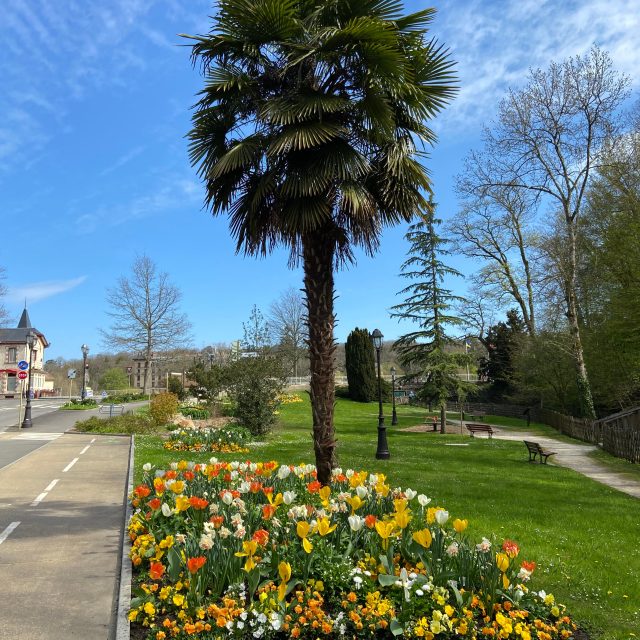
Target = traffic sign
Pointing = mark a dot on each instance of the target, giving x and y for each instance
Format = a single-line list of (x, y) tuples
[(104, 394), (71, 374), (22, 375), (23, 365)]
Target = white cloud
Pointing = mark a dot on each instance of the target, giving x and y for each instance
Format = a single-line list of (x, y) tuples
[(41, 290), (122, 160), (496, 43)]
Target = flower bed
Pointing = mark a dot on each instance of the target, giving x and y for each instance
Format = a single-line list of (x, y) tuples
[(231, 439), (258, 550), (289, 398)]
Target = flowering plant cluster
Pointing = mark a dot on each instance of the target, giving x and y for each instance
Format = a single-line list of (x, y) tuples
[(230, 439), (289, 398), (259, 550)]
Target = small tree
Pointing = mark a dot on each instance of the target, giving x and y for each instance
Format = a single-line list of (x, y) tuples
[(163, 407), (114, 379), (254, 385), (210, 380), (175, 386), (288, 327), (256, 332), (428, 352), (361, 373)]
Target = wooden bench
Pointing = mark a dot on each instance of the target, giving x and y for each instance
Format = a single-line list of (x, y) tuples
[(479, 428), (536, 450)]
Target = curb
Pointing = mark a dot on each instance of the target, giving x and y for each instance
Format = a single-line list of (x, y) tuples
[(122, 594)]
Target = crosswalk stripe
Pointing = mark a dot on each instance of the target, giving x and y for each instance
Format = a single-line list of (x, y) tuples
[(37, 436)]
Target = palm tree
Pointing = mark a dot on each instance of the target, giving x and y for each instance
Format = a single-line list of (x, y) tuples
[(309, 134)]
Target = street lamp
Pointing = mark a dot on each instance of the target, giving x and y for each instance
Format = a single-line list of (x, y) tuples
[(382, 453), (32, 338), (85, 353), (394, 415)]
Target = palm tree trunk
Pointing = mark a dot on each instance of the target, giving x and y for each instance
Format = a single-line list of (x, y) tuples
[(318, 259)]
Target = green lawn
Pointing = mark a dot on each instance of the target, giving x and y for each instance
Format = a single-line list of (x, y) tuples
[(583, 535)]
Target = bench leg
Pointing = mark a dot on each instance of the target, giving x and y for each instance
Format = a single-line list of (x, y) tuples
[(545, 458)]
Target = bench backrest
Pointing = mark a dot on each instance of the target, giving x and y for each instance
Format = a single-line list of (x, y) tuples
[(533, 446)]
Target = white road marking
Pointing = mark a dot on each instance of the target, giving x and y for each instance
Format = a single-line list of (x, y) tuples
[(52, 484), (70, 465), (37, 436), (92, 441), (85, 449), (40, 498), (7, 532)]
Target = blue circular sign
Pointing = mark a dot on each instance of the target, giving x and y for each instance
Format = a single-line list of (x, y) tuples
[(23, 365)]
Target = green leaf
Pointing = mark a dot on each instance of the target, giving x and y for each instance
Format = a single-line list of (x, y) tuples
[(386, 580), (396, 628), (174, 564)]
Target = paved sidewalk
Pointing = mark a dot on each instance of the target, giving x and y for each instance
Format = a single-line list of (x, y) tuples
[(61, 515), (575, 456)]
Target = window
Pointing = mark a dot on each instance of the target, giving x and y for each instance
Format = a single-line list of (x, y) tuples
[(12, 355)]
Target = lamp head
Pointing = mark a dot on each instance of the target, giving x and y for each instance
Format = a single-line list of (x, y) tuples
[(393, 372), (376, 338), (85, 350)]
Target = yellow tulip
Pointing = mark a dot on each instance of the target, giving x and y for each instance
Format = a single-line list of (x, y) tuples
[(383, 489), (324, 493), (282, 590), (400, 504), (277, 501), (460, 525), (355, 503), (502, 560), (303, 528), (423, 538), (249, 547), (385, 531), (284, 569), (182, 503), (324, 526), (177, 487), (505, 581), (402, 519), (306, 545)]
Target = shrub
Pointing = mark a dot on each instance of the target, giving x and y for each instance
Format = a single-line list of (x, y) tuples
[(175, 386), (87, 403), (120, 398), (255, 386), (129, 423), (163, 407), (195, 413)]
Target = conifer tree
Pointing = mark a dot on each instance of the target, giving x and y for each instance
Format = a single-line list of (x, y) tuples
[(361, 373), (427, 352)]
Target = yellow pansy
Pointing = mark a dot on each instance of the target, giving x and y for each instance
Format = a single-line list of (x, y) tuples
[(167, 543), (178, 599), (423, 538)]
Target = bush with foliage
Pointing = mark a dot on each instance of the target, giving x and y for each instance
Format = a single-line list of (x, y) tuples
[(128, 423), (359, 361), (195, 413), (242, 549), (122, 398), (229, 439), (163, 407), (254, 386), (114, 378), (75, 404), (175, 386)]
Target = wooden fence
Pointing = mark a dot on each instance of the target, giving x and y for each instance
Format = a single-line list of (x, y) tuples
[(618, 434)]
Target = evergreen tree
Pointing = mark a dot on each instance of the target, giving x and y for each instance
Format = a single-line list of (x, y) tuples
[(427, 352), (498, 367), (359, 360)]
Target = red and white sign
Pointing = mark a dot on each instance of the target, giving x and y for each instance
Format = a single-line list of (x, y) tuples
[(22, 375)]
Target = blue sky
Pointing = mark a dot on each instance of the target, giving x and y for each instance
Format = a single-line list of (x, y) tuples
[(94, 106)]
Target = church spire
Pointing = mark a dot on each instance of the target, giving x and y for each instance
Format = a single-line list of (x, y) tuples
[(25, 321)]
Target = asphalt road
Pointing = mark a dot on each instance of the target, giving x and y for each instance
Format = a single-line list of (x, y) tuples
[(41, 407)]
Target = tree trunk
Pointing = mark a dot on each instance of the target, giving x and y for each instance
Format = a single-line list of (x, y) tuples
[(443, 417), (318, 258), (585, 399)]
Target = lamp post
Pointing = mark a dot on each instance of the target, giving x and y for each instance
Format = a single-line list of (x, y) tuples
[(394, 415), (382, 453), (31, 342), (85, 353)]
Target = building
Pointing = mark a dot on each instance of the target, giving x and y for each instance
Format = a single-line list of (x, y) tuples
[(14, 347)]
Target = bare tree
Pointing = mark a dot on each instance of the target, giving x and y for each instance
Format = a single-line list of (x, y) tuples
[(494, 227), (146, 318), (287, 322), (4, 314), (547, 140)]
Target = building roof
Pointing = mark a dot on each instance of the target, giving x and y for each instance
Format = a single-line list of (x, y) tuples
[(19, 334)]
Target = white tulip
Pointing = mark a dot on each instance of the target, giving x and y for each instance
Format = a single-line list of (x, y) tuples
[(362, 492), (355, 522), (288, 497), (441, 517), (227, 497), (146, 466), (411, 494), (423, 500), (166, 510), (283, 472)]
